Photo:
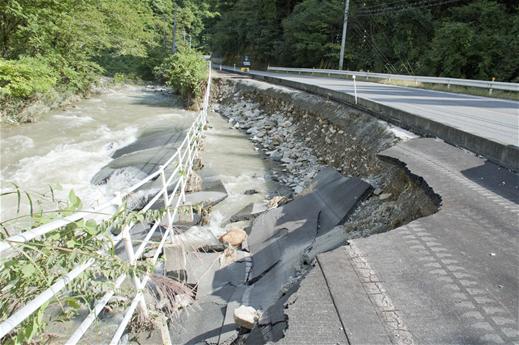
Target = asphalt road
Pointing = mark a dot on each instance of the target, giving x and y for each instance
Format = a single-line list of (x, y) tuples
[(494, 119)]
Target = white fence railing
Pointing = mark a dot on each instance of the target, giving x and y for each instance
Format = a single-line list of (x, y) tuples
[(490, 85), (182, 164)]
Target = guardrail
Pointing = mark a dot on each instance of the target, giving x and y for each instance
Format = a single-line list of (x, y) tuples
[(490, 85), (182, 163)]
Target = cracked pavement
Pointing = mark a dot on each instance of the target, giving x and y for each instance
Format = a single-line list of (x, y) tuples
[(449, 278)]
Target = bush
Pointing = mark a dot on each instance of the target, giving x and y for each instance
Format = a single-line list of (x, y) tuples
[(186, 72), (77, 76), (25, 77)]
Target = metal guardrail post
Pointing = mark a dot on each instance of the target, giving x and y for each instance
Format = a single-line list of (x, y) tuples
[(133, 262), (491, 85), (355, 88), (167, 202)]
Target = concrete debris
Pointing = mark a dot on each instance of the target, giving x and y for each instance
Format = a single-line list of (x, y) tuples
[(242, 224), (175, 260), (196, 238), (245, 316), (283, 242)]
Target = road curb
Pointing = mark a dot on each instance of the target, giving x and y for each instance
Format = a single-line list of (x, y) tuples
[(504, 155)]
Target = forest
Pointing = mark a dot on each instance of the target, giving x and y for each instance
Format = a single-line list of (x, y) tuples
[(476, 39), (53, 46)]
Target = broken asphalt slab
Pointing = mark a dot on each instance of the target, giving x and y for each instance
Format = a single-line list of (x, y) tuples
[(278, 242)]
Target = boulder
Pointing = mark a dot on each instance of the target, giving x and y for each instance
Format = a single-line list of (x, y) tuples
[(245, 316), (234, 237)]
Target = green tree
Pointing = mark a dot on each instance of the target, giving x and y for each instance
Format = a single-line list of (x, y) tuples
[(473, 42), (311, 33)]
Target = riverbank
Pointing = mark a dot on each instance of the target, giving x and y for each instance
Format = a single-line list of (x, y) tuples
[(15, 112)]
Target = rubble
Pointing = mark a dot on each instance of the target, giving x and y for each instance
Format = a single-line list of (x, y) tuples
[(262, 265), (276, 201), (282, 243), (276, 136)]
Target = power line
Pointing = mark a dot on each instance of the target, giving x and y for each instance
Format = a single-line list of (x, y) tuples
[(408, 6), (397, 6), (384, 5), (388, 9), (362, 31)]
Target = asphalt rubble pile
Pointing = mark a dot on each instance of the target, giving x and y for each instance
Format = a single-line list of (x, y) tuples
[(242, 283)]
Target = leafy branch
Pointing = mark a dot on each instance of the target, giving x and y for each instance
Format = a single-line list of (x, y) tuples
[(36, 265)]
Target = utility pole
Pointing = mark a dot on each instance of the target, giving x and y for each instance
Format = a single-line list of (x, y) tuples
[(344, 27), (174, 46)]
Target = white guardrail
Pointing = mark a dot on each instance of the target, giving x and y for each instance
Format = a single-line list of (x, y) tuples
[(490, 85), (182, 163)]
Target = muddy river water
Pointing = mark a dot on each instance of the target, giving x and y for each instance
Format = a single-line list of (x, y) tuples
[(66, 148)]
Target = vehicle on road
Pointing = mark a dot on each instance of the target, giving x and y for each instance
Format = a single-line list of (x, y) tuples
[(245, 64)]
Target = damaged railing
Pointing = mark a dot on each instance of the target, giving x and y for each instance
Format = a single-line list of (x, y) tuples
[(182, 164)]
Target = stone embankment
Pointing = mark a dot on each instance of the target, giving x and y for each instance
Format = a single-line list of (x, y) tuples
[(304, 132)]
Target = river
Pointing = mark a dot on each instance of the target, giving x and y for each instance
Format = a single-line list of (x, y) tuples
[(65, 148)]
